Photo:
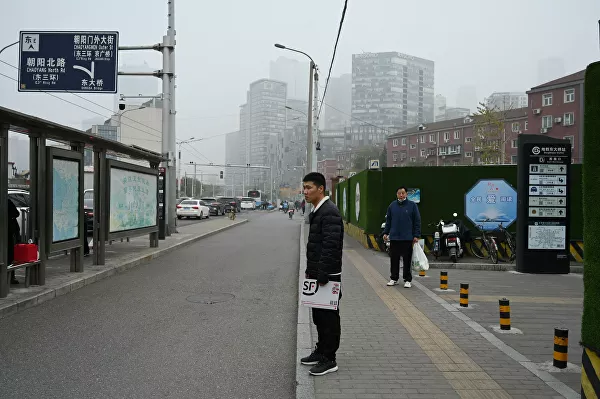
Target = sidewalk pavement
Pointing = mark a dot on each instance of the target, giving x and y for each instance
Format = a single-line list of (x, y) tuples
[(120, 256), (416, 343)]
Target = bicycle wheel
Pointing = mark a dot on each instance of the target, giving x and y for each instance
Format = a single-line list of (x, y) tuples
[(477, 246), (492, 251), (512, 245)]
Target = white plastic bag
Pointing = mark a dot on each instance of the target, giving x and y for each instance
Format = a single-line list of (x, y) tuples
[(419, 260)]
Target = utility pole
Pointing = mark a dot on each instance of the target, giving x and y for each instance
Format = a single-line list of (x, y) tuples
[(271, 184), (171, 181), (201, 187), (194, 184), (309, 136), (167, 74), (315, 130)]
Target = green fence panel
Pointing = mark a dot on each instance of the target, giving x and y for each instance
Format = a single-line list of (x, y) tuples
[(576, 202), (342, 195), (359, 190), (443, 190), (375, 207)]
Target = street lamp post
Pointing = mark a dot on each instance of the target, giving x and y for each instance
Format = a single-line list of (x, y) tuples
[(180, 143), (310, 146), (124, 112)]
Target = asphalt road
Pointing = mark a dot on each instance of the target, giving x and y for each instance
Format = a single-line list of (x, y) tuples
[(245, 214), (215, 320)]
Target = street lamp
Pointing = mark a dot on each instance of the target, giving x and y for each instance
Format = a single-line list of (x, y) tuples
[(124, 112), (296, 110), (311, 161), (190, 140)]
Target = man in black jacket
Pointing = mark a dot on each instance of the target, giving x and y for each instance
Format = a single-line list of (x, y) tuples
[(323, 263)]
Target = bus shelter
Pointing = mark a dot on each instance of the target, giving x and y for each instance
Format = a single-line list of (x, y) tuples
[(126, 193)]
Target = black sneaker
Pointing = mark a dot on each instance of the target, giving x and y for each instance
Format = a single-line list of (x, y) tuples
[(312, 359), (324, 367)]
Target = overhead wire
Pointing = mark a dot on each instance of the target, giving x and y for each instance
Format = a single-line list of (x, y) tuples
[(355, 118), (84, 108), (333, 55), (94, 103), (199, 153)]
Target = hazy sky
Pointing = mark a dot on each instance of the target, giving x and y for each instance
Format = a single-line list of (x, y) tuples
[(224, 45)]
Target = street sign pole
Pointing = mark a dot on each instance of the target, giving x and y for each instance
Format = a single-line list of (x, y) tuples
[(543, 218), (167, 74)]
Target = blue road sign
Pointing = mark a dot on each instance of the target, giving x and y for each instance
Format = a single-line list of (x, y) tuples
[(491, 202), (79, 62)]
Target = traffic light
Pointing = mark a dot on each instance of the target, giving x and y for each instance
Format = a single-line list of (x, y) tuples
[(221, 174)]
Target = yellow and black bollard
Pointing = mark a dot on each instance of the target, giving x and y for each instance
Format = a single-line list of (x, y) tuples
[(421, 273), (464, 295), (504, 314), (561, 346), (443, 280)]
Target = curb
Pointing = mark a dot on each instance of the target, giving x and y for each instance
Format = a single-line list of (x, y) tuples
[(305, 385), (499, 267), (88, 278)]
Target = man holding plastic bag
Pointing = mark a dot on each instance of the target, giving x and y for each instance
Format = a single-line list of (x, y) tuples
[(403, 229)]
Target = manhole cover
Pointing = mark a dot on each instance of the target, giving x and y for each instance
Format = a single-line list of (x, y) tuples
[(210, 298)]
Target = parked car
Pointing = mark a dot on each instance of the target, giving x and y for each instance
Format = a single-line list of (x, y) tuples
[(231, 203), (88, 209), (216, 208), (193, 208), (21, 200), (248, 203)]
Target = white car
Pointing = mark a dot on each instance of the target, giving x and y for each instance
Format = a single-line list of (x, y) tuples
[(248, 203), (193, 208)]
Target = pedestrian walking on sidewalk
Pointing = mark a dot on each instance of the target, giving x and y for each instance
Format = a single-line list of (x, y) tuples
[(403, 229), (323, 263)]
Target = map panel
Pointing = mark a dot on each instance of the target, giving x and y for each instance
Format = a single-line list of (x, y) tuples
[(133, 200), (65, 200)]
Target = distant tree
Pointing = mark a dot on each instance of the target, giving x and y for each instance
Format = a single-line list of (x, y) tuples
[(363, 156), (490, 135), (383, 156)]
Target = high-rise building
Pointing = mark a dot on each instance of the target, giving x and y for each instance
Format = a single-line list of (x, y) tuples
[(392, 90), (550, 68), (338, 104), (466, 97), (88, 123), (456, 112), (235, 154), (504, 101), (439, 112), (296, 113), (294, 73), (261, 117)]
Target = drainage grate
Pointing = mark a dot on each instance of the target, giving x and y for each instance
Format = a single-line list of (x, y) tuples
[(210, 298)]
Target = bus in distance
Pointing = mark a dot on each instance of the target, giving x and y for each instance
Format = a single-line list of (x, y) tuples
[(256, 195)]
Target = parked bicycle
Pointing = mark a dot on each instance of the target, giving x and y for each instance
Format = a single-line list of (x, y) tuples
[(511, 242), (488, 243)]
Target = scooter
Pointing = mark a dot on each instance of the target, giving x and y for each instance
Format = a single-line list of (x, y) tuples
[(383, 243), (291, 213), (447, 240)]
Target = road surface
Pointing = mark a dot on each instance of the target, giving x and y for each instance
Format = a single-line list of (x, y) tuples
[(216, 319)]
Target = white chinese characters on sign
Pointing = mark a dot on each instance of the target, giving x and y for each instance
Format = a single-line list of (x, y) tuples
[(45, 70)]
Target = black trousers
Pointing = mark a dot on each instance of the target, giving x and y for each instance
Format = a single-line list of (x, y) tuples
[(399, 249), (329, 330)]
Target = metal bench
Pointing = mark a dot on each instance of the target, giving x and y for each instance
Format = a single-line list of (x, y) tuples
[(28, 266)]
